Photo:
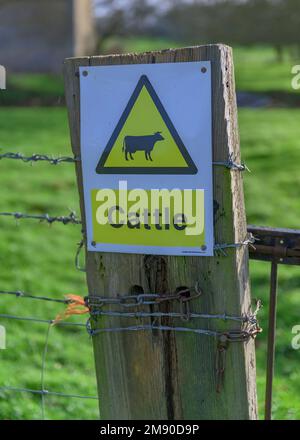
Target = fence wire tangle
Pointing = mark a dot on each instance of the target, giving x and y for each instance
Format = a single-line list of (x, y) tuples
[(247, 326), (39, 157)]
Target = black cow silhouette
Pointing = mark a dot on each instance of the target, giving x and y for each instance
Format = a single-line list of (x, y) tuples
[(131, 144)]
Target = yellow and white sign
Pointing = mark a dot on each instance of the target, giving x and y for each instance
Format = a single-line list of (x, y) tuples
[(146, 158)]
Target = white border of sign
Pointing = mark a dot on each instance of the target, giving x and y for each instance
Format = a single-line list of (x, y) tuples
[(185, 91)]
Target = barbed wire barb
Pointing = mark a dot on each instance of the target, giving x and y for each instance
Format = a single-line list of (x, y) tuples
[(39, 157), (69, 219)]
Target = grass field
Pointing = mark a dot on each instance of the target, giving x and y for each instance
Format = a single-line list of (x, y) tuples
[(40, 259), (270, 143), (257, 67)]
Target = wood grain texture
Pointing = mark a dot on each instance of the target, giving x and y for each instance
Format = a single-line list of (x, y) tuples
[(164, 375)]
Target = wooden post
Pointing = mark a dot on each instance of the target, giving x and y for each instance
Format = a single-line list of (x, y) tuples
[(169, 375)]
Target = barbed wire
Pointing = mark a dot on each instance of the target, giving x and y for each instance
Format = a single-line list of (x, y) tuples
[(249, 323), (249, 330), (249, 326), (223, 316), (73, 219), (221, 248), (21, 294), (69, 219), (230, 163), (39, 157), (238, 335), (96, 305)]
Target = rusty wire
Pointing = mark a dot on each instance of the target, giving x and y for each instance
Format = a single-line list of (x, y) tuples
[(249, 324)]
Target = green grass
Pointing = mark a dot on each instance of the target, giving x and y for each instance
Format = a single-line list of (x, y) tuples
[(40, 259), (33, 89), (257, 67), (141, 44), (270, 147), (257, 70)]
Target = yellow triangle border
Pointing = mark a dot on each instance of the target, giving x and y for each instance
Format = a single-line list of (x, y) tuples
[(102, 169)]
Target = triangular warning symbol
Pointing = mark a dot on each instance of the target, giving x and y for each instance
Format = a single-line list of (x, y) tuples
[(145, 141)]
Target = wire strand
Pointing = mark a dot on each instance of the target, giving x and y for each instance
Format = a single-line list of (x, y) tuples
[(46, 392), (39, 157), (69, 219)]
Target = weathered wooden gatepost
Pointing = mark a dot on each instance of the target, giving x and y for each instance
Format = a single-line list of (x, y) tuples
[(156, 374)]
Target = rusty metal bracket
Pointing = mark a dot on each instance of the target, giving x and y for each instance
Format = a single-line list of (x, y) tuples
[(281, 245)]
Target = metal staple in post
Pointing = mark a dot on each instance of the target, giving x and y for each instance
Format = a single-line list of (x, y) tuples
[(231, 164), (221, 248)]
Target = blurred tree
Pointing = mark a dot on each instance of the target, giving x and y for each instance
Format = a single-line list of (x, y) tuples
[(244, 22), (117, 18), (110, 20)]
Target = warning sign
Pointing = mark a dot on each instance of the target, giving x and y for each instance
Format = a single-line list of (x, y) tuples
[(145, 140), (146, 154)]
